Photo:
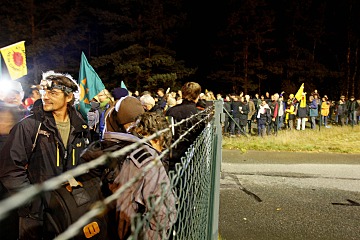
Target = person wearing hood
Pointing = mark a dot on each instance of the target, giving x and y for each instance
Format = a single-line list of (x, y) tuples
[(127, 123)]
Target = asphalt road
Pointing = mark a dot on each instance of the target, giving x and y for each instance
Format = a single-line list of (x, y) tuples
[(268, 195)]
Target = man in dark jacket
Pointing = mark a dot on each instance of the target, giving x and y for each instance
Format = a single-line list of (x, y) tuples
[(235, 122), (274, 107), (160, 101), (342, 110), (227, 111), (43, 145), (352, 106), (190, 93)]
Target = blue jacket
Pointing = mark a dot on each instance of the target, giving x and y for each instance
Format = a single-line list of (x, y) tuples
[(314, 111)]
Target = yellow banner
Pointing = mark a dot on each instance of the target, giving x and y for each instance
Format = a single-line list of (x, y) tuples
[(15, 59), (299, 93)]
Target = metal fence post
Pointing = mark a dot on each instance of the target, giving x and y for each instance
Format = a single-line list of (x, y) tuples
[(213, 229)]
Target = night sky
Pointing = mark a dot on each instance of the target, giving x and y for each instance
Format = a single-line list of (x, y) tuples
[(251, 46)]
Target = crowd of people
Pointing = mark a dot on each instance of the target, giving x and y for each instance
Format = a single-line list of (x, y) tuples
[(271, 113), (49, 136)]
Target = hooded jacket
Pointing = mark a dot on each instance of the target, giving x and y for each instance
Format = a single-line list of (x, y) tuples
[(136, 198)]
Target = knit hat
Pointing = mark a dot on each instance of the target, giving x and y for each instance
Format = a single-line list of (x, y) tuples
[(127, 109), (119, 93)]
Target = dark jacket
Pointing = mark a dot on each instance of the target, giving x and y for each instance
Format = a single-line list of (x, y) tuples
[(264, 117), (352, 106), (160, 105), (342, 109), (235, 109), (20, 165), (302, 112), (244, 113), (178, 113), (227, 107)]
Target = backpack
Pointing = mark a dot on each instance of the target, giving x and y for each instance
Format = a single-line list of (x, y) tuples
[(67, 204)]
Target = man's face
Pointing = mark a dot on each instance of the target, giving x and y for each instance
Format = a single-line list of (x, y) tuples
[(55, 100), (13, 97), (36, 94), (160, 93)]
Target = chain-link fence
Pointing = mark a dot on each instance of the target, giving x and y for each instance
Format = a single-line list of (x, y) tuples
[(194, 184)]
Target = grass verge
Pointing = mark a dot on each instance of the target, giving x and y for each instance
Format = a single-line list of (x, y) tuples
[(335, 139)]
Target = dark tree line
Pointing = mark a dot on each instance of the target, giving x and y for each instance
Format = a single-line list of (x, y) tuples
[(230, 46), (277, 45)]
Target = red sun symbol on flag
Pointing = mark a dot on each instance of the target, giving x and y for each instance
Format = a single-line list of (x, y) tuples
[(18, 59)]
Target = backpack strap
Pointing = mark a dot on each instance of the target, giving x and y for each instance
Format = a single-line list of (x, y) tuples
[(36, 136)]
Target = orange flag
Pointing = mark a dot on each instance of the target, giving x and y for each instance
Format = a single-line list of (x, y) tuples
[(15, 59)]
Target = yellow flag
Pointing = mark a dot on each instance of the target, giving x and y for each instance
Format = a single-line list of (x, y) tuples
[(299, 92), (15, 59)]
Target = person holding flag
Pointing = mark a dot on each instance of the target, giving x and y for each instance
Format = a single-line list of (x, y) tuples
[(302, 112), (299, 94)]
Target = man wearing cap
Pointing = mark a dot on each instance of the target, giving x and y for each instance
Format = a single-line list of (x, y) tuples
[(119, 92), (43, 145)]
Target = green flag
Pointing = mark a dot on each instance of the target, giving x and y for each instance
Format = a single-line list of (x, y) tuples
[(90, 85), (123, 85)]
